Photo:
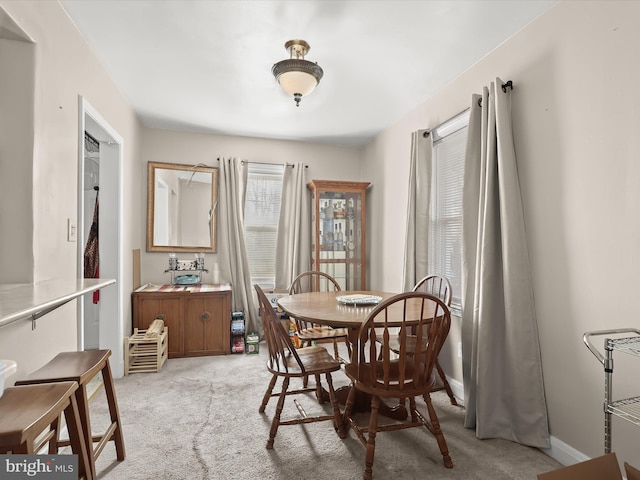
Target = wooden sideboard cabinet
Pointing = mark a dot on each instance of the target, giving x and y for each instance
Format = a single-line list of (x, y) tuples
[(198, 316)]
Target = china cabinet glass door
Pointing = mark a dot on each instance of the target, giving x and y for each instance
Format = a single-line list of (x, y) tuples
[(338, 231)]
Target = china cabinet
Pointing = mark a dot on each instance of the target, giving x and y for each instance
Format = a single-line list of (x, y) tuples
[(338, 231)]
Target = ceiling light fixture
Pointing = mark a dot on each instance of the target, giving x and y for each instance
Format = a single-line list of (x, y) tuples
[(297, 76)]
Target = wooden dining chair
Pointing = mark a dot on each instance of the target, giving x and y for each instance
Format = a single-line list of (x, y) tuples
[(440, 287), (377, 370), (307, 332), (286, 362)]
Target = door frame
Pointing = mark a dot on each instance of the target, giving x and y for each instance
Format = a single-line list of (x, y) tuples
[(111, 305)]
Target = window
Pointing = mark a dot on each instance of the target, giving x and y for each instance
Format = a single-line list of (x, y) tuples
[(261, 213), (445, 216)]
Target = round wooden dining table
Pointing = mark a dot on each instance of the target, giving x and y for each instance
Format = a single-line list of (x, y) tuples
[(324, 308)]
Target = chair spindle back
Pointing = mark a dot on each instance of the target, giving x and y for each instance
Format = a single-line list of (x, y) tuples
[(436, 285), (410, 319), (278, 342), (314, 281)]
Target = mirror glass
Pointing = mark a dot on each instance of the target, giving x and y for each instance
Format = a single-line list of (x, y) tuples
[(181, 208)]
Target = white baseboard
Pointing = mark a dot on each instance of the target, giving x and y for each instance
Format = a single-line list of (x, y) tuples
[(564, 453), (458, 389)]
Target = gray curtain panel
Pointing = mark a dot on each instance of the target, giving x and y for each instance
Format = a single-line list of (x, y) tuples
[(232, 253), (293, 245), (415, 251), (503, 385)]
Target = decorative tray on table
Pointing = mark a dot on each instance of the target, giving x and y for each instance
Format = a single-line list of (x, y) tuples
[(359, 299)]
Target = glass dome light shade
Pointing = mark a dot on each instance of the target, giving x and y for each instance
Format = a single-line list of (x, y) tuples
[(297, 75)]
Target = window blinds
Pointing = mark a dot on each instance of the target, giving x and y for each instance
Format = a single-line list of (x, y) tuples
[(261, 213), (445, 216)]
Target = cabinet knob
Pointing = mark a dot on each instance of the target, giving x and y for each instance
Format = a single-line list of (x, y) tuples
[(205, 316)]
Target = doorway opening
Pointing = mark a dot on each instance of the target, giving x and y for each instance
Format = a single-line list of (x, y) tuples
[(101, 314)]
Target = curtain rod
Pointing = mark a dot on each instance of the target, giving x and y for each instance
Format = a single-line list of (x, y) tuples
[(267, 163), (426, 133), (507, 84)]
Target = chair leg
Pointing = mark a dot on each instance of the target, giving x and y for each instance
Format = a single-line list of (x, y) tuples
[(445, 383), (412, 408), (319, 392), (267, 394), (114, 412), (276, 419), (305, 379), (83, 411), (55, 440), (437, 432), (26, 448), (336, 354), (371, 442), (76, 439), (348, 407), (338, 422)]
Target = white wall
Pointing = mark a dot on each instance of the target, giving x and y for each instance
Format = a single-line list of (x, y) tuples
[(64, 69), (576, 113), (324, 162)]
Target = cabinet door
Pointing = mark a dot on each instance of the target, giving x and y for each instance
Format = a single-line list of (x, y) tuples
[(206, 324), (148, 307)]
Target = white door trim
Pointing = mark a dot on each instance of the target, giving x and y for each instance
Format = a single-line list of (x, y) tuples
[(111, 305)]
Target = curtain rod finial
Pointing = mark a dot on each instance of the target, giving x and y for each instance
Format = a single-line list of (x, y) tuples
[(508, 84)]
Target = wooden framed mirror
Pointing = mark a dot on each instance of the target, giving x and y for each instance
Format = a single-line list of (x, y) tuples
[(182, 202)]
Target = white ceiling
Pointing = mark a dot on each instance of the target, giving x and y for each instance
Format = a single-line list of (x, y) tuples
[(206, 65)]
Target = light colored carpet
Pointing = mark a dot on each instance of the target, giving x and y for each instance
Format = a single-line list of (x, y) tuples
[(198, 419)]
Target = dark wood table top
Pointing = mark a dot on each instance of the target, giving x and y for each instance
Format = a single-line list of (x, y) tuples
[(324, 309)]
